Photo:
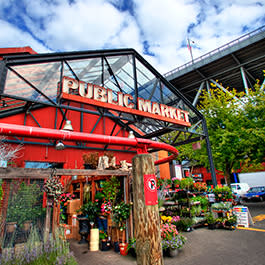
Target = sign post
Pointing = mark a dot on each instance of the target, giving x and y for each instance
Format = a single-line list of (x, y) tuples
[(145, 211)]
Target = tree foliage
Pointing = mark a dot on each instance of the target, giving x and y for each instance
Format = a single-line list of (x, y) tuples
[(236, 127)]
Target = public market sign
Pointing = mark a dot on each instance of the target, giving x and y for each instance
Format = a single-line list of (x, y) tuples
[(91, 94)]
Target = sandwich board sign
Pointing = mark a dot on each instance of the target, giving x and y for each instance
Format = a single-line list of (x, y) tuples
[(243, 216)]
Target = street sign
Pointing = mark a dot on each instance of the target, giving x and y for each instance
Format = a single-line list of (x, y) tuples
[(150, 190)]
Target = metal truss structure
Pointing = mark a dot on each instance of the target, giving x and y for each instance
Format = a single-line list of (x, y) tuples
[(237, 64), (30, 82)]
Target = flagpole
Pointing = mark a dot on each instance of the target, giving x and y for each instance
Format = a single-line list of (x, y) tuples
[(189, 47)]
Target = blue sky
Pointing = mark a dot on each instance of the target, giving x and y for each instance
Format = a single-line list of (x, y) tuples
[(156, 29)]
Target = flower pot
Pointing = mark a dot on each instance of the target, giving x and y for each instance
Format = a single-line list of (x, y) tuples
[(104, 245), (26, 226), (94, 239), (116, 247), (123, 249), (87, 166), (211, 226), (173, 252), (132, 251), (83, 229), (189, 229), (11, 227)]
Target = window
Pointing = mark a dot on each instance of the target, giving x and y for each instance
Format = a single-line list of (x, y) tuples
[(35, 164)]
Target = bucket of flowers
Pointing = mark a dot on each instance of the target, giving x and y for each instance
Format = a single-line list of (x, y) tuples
[(64, 200), (172, 240)]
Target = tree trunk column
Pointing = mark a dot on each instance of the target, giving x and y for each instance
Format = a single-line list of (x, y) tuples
[(146, 217)]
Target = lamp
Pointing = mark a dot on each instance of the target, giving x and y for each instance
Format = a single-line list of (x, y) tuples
[(4, 105), (131, 135), (59, 145), (68, 126)]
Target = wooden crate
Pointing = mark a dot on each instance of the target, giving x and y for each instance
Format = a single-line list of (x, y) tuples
[(73, 206)]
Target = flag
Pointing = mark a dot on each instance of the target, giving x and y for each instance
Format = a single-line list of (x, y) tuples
[(189, 47)]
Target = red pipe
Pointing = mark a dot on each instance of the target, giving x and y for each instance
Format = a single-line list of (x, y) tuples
[(46, 133)]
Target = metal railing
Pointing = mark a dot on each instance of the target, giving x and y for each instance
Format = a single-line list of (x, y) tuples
[(227, 45)]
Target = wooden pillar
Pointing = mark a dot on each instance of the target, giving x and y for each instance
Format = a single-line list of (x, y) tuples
[(48, 219), (146, 217)]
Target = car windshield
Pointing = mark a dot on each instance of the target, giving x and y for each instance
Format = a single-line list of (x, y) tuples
[(256, 189)]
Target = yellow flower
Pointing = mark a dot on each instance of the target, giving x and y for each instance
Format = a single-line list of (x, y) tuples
[(166, 218)]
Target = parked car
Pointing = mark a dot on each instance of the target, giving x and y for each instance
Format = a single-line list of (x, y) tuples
[(239, 188), (255, 193)]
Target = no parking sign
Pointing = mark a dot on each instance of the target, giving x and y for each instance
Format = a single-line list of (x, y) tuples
[(150, 190)]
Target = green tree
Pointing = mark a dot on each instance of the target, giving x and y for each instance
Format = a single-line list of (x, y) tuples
[(236, 126)]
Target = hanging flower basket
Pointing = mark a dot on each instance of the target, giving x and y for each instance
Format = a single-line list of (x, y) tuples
[(54, 188)]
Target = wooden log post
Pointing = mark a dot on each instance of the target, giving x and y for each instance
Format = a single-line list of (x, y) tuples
[(48, 219), (146, 217)]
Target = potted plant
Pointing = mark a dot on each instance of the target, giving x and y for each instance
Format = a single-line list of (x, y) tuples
[(87, 215), (90, 160), (104, 243), (231, 221), (110, 189), (223, 193), (131, 248), (219, 222), (64, 200), (185, 224), (210, 220), (186, 183), (121, 213), (23, 207), (123, 248), (172, 241), (90, 210)]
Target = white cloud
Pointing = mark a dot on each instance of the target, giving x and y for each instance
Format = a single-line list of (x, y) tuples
[(11, 36), (83, 26), (158, 27), (165, 21), (128, 37)]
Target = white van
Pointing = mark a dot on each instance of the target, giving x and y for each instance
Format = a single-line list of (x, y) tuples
[(239, 188)]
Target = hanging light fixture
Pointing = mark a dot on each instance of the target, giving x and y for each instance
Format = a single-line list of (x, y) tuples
[(68, 126), (131, 135), (59, 145)]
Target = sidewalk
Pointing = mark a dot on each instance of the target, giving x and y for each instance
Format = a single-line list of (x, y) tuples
[(84, 256), (207, 247)]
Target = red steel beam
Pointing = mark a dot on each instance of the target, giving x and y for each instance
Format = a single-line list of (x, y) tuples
[(46, 133)]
